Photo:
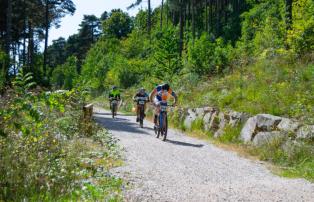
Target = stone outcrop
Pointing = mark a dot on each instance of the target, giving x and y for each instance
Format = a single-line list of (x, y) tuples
[(262, 138), (258, 130), (259, 123), (306, 132)]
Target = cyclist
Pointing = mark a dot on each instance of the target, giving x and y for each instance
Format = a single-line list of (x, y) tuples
[(141, 95), (114, 94), (161, 93)]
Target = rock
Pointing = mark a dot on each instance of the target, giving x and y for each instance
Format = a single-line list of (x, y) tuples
[(206, 120), (237, 117), (306, 132), (191, 116), (288, 125), (259, 123), (267, 122), (200, 112), (214, 122), (248, 130), (223, 121), (266, 137)]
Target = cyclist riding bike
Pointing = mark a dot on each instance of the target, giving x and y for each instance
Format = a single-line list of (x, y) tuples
[(140, 96), (161, 94), (114, 94)]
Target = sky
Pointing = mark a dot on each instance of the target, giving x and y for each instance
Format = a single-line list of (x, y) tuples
[(70, 24)]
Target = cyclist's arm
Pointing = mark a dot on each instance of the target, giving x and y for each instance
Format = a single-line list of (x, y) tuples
[(174, 95), (152, 95), (135, 96)]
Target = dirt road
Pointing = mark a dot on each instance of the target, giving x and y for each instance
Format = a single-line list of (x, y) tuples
[(188, 169)]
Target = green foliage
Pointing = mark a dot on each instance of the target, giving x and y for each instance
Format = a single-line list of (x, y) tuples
[(301, 36), (166, 54), (119, 24), (65, 76), (42, 157), (294, 157), (270, 86), (208, 57), (98, 62), (231, 134), (197, 125), (263, 27), (3, 59)]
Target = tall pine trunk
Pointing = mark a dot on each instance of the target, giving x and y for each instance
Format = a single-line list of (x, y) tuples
[(288, 14), (193, 20), (161, 13), (31, 48), (181, 28), (46, 36), (149, 18), (8, 37)]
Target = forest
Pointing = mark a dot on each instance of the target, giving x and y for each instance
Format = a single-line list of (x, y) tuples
[(255, 56)]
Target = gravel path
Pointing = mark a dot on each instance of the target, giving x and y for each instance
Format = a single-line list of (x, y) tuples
[(188, 169)]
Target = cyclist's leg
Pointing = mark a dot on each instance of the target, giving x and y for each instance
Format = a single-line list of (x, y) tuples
[(137, 113), (157, 109)]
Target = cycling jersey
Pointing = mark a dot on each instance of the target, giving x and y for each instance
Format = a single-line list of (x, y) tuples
[(115, 94), (162, 95)]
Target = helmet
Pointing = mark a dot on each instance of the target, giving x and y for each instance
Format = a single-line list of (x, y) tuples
[(165, 86), (114, 87), (142, 90)]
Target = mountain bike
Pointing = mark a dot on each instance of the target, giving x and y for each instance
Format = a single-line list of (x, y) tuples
[(162, 121), (114, 106), (141, 101)]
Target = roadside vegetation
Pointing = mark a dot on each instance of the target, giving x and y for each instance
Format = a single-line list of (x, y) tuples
[(46, 152)]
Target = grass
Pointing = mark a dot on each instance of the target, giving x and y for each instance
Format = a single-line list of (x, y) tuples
[(275, 86)]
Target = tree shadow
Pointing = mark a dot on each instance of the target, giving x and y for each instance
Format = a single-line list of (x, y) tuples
[(184, 143), (119, 124)]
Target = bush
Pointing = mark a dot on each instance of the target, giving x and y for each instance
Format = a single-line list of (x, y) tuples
[(209, 57), (42, 151), (65, 76)]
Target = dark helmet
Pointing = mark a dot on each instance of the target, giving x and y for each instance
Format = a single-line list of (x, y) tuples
[(165, 86), (114, 87), (142, 90)]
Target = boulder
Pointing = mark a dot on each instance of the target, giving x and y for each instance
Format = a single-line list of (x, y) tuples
[(223, 121), (266, 137), (206, 120), (191, 116), (267, 122), (248, 130), (306, 132), (214, 122), (237, 117), (287, 125), (200, 112), (259, 123)]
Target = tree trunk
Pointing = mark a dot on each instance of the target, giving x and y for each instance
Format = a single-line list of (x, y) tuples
[(193, 20), (206, 16), (31, 48), (288, 14), (167, 14), (149, 18), (8, 38), (161, 13), (46, 37), (217, 10), (181, 28)]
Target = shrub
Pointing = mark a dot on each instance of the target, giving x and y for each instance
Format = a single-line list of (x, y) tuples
[(209, 57)]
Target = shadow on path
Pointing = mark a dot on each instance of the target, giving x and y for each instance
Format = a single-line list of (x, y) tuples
[(119, 124), (184, 143)]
